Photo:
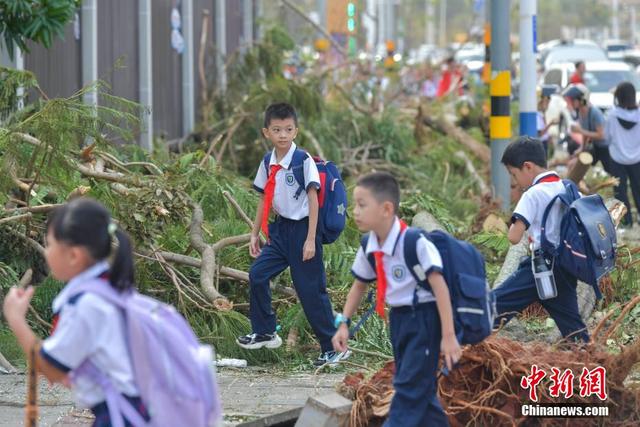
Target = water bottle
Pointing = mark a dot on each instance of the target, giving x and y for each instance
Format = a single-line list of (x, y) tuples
[(543, 275)]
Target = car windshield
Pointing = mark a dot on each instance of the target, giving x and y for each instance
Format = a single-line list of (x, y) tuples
[(575, 53), (617, 47), (607, 80)]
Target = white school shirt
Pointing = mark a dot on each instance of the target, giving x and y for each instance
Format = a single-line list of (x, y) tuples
[(89, 327), (532, 205), (285, 203), (400, 282), (624, 139)]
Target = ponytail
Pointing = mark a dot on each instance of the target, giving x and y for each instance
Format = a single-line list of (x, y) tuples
[(87, 223)]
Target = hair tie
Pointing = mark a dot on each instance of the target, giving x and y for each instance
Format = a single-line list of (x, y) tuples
[(112, 228)]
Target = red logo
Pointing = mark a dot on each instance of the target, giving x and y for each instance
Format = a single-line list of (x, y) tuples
[(592, 382)]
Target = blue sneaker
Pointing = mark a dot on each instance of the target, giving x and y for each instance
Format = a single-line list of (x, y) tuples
[(332, 358)]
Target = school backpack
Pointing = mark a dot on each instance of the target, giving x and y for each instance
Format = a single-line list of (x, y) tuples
[(173, 371), (332, 197), (472, 301), (588, 242)]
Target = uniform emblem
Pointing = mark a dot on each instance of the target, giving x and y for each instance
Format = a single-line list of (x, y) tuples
[(341, 209), (602, 230), (290, 179), (398, 272)]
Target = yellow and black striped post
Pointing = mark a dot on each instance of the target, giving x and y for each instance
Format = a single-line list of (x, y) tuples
[(500, 92)]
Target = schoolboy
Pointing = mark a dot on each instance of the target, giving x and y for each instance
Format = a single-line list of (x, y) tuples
[(419, 331), (292, 240), (526, 161)]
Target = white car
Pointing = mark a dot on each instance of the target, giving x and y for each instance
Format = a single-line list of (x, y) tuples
[(572, 52), (601, 78)]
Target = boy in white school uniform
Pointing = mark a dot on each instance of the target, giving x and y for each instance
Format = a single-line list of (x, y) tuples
[(527, 163), (419, 332), (292, 238)]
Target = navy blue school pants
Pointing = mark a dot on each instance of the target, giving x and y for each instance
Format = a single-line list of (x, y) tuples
[(286, 240), (519, 291), (415, 337)]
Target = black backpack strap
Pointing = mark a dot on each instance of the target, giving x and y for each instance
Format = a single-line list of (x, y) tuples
[(411, 237), (372, 306), (297, 167), (410, 248), (569, 196)]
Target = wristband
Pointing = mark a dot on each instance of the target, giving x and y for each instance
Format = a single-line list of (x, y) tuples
[(341, 319)]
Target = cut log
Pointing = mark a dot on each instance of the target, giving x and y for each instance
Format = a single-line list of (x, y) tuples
[(580, 167), (427, 222), (471, 169), (442, 125)]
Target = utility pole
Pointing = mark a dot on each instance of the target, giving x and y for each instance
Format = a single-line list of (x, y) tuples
[(321, 7), (188, 76), (615, 25), (633, 24), (145, 73), (443, 23), (528, 104), (500, 91), (486, 70), (430, 38), (221, 43)]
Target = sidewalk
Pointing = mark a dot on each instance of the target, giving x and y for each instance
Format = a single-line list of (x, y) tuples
[(247, 394)]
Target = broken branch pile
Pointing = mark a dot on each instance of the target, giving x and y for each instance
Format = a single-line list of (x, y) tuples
[(486, 387)]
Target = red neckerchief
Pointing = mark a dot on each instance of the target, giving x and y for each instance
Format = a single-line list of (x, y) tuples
[(381, 289), (56, 316), (269, 191), (552, 177)]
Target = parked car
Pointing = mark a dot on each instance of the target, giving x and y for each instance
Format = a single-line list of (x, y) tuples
[(601, 78), (617, 49), (544, 49), (572, 53)]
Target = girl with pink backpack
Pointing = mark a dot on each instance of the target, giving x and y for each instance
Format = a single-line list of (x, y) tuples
[(132, 360)]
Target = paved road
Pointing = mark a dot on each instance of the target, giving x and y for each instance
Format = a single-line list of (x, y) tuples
[(247, 394)]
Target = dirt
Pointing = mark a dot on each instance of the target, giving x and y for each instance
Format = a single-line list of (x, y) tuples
[(247, 394)]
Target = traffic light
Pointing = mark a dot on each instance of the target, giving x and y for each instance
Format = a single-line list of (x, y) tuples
[(342, 22)]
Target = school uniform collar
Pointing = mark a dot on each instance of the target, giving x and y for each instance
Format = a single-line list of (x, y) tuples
[(68, 291), (544, 175), (389, 246), (286, 160)]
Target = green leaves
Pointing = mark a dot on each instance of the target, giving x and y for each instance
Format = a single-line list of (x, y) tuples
[(36, 20)]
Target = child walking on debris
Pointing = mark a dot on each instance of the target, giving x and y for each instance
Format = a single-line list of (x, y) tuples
[(526, 161), (293, 240), (421, 320)]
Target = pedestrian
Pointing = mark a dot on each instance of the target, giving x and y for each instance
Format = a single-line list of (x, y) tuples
[(541, 122), (421, 320), (590, 124), (622, 130), (450, 79), (578, 75), (292, 240), (429, 87)]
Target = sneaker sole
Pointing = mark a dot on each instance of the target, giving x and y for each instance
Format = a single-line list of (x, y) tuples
[(268, 344), (346, 355)]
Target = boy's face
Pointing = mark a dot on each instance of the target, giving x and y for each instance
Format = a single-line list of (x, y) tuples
[(368, 212), (281, 133), (524, 176)]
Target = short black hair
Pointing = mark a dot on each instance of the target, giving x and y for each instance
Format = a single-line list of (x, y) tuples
[(383, 186), (625, 96), (578, 64), (524, 149), (281, 111)]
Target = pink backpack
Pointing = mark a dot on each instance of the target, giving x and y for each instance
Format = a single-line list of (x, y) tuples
[(173, 371)]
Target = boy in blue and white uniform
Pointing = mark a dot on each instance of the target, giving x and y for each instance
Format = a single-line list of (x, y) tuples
[(526, 161), (292, 239), (419, 332)]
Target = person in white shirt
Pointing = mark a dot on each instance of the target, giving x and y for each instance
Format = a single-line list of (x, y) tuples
[(420, 331), (80, 238), (292, 238), (527, 163), (622, 130)]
